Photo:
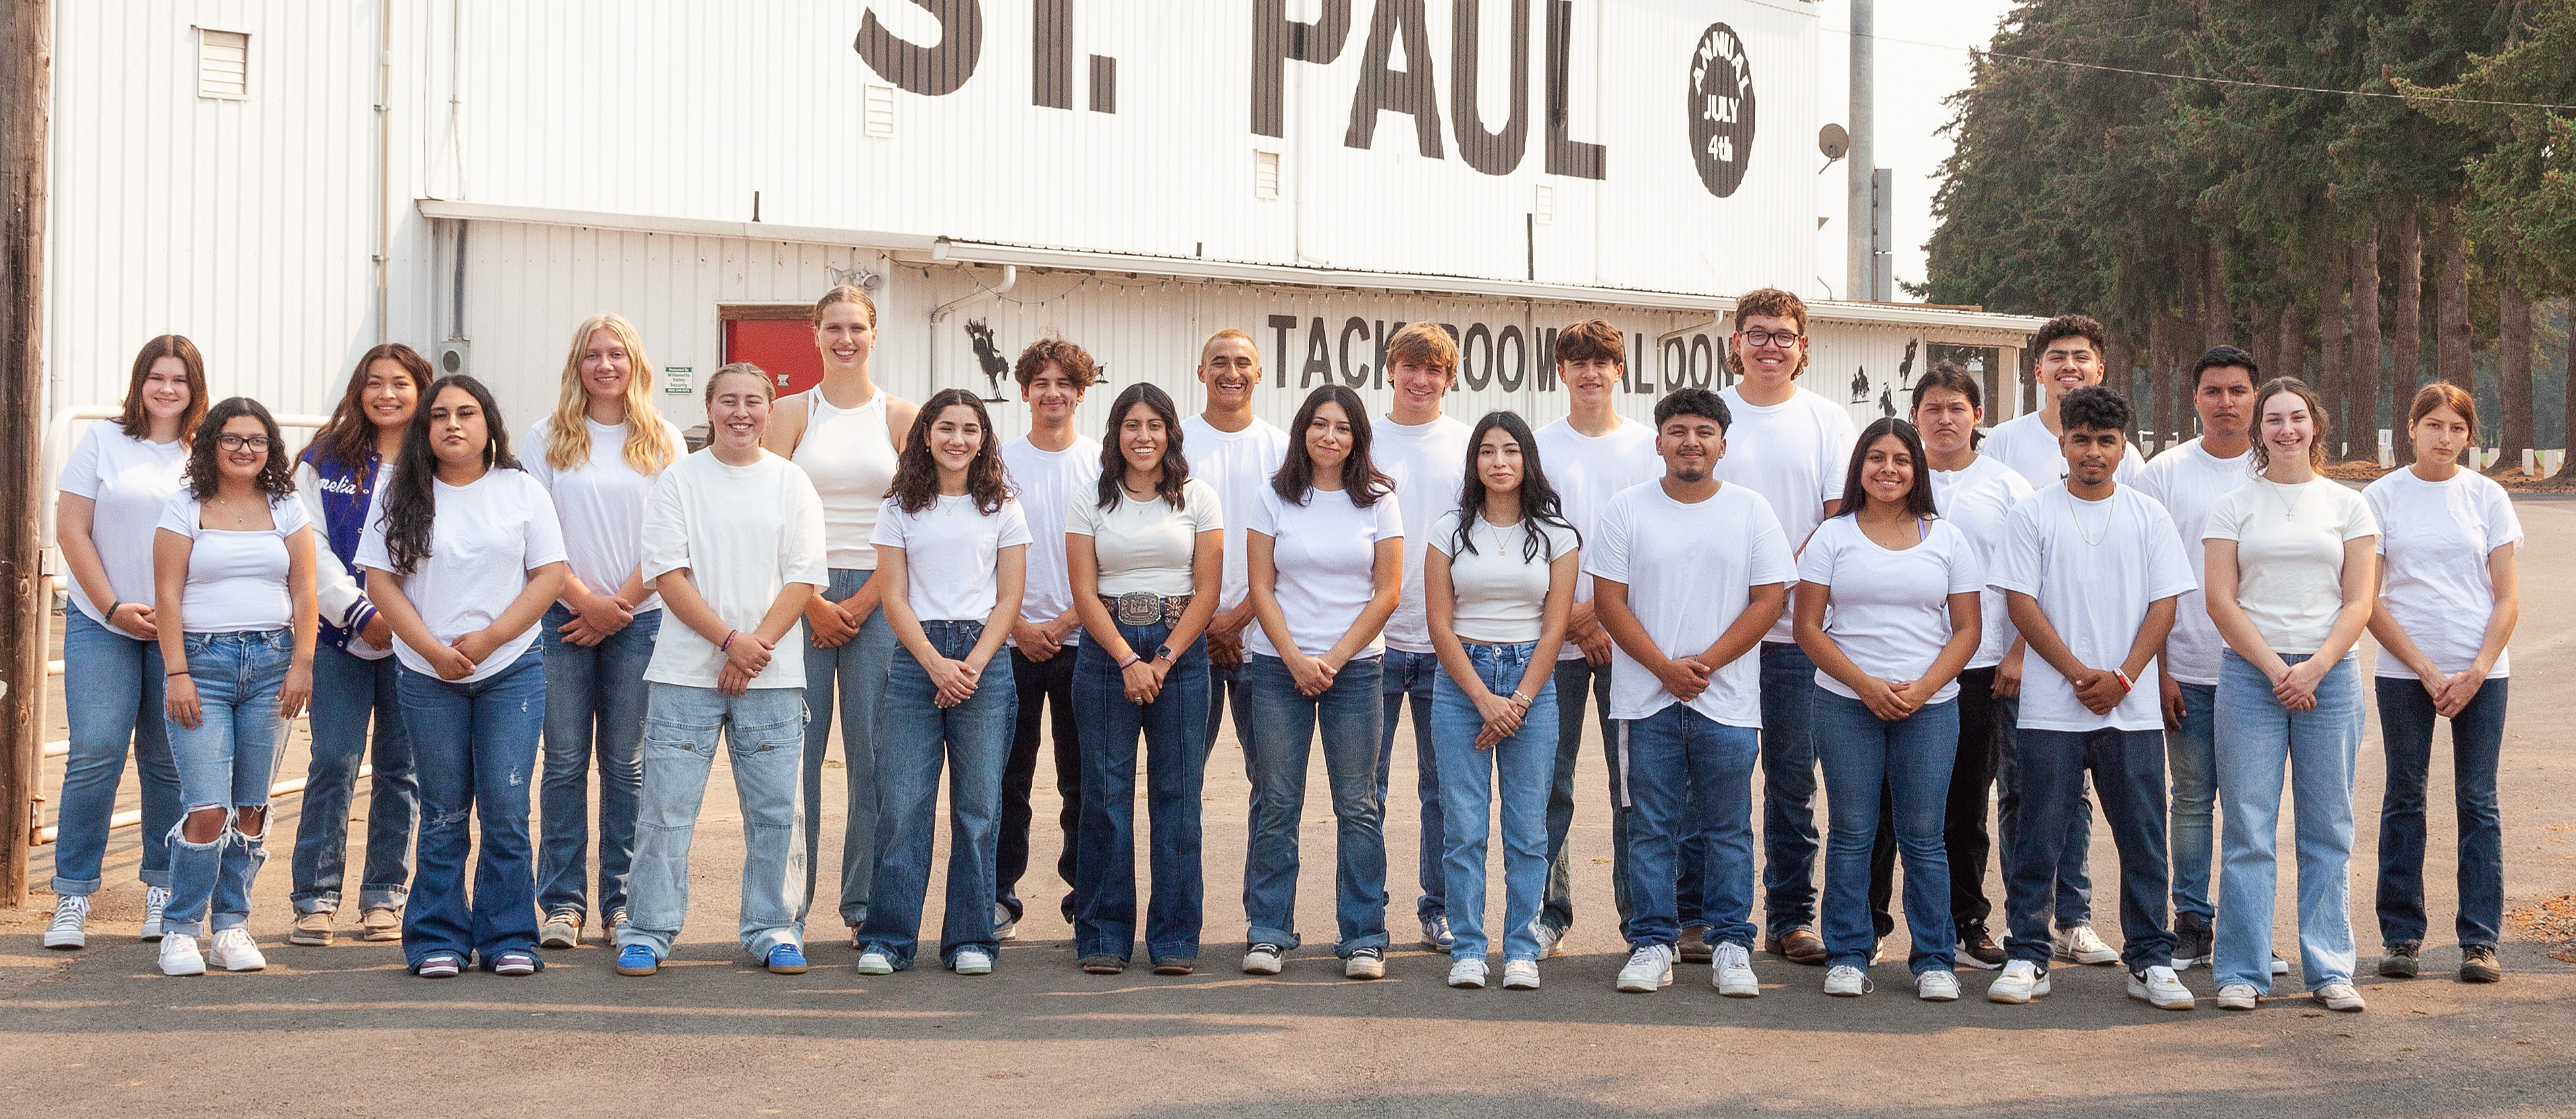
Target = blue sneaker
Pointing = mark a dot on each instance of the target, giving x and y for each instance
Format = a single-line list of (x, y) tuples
[(786, 959), (637, 959)]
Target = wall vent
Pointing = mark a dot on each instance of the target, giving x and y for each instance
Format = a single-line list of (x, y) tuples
[(1265, 175), (223, 64), (880, 111)]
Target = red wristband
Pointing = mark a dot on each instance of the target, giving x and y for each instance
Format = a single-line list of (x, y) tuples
[(2126, 685)]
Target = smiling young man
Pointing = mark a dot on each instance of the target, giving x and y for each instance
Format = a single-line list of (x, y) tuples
[(1050, 468), (1590, 455), (1236, 452), (1791, 446), (1425, 454)]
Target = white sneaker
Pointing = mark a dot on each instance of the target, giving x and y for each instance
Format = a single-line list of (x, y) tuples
[(2237, 996), (2279, 965), (1551, 943), (1730, 970), (1520, 975), (1005, 927), (973, 961), (155, 900), (1844, 981), (2339, 996), (2021, 982), (2160, 988), (234, 950), (70, 927), (1650, 968), (1937, 986), (179, 956), (1262, 959), (1364, 963), (2080, 945), (875, 963), (1435, 934), (1467, 975)]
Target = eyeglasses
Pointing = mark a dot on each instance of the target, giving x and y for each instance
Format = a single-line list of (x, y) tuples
[(242, 442), (1759, 338)]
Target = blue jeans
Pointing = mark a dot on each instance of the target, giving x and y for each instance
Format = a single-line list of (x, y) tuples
[(1788, 789), (349, 693), (594, 708), (765, 728), (2406, 718), (119, 701), (1284, 723), (1908, 760), (2074, 889), (225, 762), (917, 736), (1225, 691), (1404, 679), (2191, 753), (1684, 776), (475, 745), (1175, 763), (2258, 739), (2128, 769), (1574, 679), (856, 672), (1526, 763)]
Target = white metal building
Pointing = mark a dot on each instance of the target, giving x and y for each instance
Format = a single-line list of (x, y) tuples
[(288, 183)]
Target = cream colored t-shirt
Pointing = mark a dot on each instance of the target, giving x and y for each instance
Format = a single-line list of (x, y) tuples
[(2289, 555), (1146, 545)]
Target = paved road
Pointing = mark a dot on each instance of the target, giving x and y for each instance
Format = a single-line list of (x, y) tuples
[(343, 1030)]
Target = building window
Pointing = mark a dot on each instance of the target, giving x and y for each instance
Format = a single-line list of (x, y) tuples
[(223, 64)]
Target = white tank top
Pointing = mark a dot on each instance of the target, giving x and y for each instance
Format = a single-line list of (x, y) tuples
[(850, 457)]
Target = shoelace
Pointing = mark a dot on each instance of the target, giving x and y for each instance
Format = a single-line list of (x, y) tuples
[(72, 914)]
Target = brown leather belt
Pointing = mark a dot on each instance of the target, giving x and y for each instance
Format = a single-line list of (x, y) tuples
[(1145, 608)]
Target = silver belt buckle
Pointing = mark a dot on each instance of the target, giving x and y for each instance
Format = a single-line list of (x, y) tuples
[(1140, 608)]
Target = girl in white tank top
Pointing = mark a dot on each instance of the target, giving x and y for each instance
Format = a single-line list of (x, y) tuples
[(849, 454)]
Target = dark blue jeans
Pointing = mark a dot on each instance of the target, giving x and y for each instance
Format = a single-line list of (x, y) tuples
[(1904, 765), (1405, 680), (915, 737), (2128, 770), (349, 694), (1175, 762), (595, 700), (1788, 789), (1684, 776), (1574, 679), (475, 745), (1042, 694), (2406, 720), (1285, 723), (2074, 889)]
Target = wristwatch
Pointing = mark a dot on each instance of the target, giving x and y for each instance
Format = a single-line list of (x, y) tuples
[(1165, 653)]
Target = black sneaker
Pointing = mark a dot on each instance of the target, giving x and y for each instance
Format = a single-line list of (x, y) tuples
[(2400, 962), (1977, 947), (2478, 964), (2192, 944)]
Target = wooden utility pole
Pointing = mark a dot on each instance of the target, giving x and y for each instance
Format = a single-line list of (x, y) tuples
[(26, 85)]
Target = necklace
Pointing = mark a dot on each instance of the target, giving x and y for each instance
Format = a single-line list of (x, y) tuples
[(2092, 539), (2289, 506)]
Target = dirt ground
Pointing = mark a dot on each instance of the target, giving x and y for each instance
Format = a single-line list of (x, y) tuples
[(100, 1032)]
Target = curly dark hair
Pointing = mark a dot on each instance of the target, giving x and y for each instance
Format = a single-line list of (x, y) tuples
[(1075, 360), (276, 472), (1113, 460), (411, 494), (1539, 503), (916, 474), (2095, 407), (1360, 477)]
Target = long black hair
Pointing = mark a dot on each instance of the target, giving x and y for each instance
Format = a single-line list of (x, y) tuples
[(276, 476), (1360, 478), (1918, 500), (916, 474), (411, 494), (349, 436), (1539, 504), (1113, 456)]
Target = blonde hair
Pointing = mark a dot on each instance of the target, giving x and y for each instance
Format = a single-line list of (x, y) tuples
[(843, 293), (649, 446), (768, 385)]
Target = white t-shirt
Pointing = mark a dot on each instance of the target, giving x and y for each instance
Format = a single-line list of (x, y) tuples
[(488, 535), (1587, 472), (2187, 481), (2289, 555), (1047, 484), (2024, 444), (1890, 610), (1428, 463), (2434, 541), (1146, 546), (1325, 555), (743, 533), (601, 505), (951, 554), (236, 579), (1794, 454), (131, 481), (1238, 465), (1501, 589), (2094, 567), (1690, 570), (1976, 500)]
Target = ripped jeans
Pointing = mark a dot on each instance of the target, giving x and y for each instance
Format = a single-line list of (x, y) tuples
[(224, 764), (474, 745)]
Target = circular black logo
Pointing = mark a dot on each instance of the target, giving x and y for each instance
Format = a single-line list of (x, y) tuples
[(1721, 109)]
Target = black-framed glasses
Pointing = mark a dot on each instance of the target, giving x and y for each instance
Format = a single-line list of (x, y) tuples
[(242, 442), (1758, 338)]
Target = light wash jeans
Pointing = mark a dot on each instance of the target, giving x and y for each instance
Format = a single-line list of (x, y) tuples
[(1284, 724), (2257, 740), (1526, 765), (1907, 763), (1686, 781), (1404, 679), (973, 741), (855, 671), (764, 729), (349, 694), (225, 762), (118, 704), (1175, 762), (475, 745), (2191, 759), (594, 710)]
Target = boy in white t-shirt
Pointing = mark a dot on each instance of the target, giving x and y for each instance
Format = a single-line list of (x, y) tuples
[(1235, 452)]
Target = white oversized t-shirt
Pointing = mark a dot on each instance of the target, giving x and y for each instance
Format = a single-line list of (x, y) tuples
[(2094, 567), (2289, 555), (1049, 484), (2024, 444), (1238, 465), (743, 533), (236, 578), (130, 482), (1586, 472), (1690, 570), (488, 535), (2188, 481), (1428, 462), (1795, 454), (600, 505), (1324, 553), (2434, 539), (1890, 610), (1500, 584), (1146, 546), (951, 554), (1977, 500)]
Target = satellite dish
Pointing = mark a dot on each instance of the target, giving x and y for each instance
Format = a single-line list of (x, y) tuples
[(1833, 141)]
